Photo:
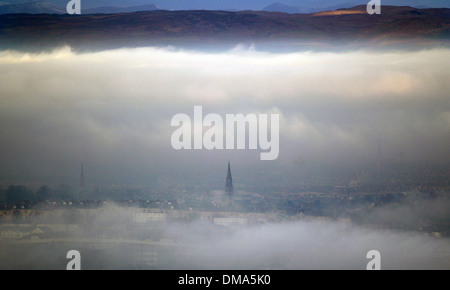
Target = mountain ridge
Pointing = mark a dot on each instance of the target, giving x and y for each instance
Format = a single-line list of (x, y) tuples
[(37, 7), (159, 27), (45, 7), (113, 9), (287, 6), (281, 7), (236, 5)]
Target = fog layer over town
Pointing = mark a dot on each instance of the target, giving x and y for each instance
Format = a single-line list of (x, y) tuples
[(112, 110), (109, 239)]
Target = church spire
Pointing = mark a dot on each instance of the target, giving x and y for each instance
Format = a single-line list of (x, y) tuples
[(82, 177), (229, 181), (82, 185)]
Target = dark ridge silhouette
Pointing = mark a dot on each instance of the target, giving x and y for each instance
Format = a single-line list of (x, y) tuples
[(354, 25)]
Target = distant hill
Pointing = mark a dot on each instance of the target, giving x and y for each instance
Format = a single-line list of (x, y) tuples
[(280, 7), (122, 6), (42, 7), (31, 8), (238, 5), (405, 25), (110, 10)]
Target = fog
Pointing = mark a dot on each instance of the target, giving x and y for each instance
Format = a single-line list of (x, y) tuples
[(303, 245), (112, 110), (107, 239)]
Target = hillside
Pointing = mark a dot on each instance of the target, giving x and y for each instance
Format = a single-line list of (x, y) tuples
[(395, 24), (31, 8)]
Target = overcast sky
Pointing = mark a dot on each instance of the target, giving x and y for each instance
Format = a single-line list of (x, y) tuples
[(112, 110)]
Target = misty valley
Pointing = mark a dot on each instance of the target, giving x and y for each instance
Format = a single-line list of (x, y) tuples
[(310, 230), (140, 139)]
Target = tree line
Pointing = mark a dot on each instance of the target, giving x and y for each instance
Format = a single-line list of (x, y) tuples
[(20, 193)]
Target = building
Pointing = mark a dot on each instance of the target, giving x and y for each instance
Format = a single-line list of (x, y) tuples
[(143, 217), (229, 185), (230, 221)]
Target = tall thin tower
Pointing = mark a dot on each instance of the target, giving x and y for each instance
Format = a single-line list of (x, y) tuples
[(379, 158), (229, 182), (82, 185)]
